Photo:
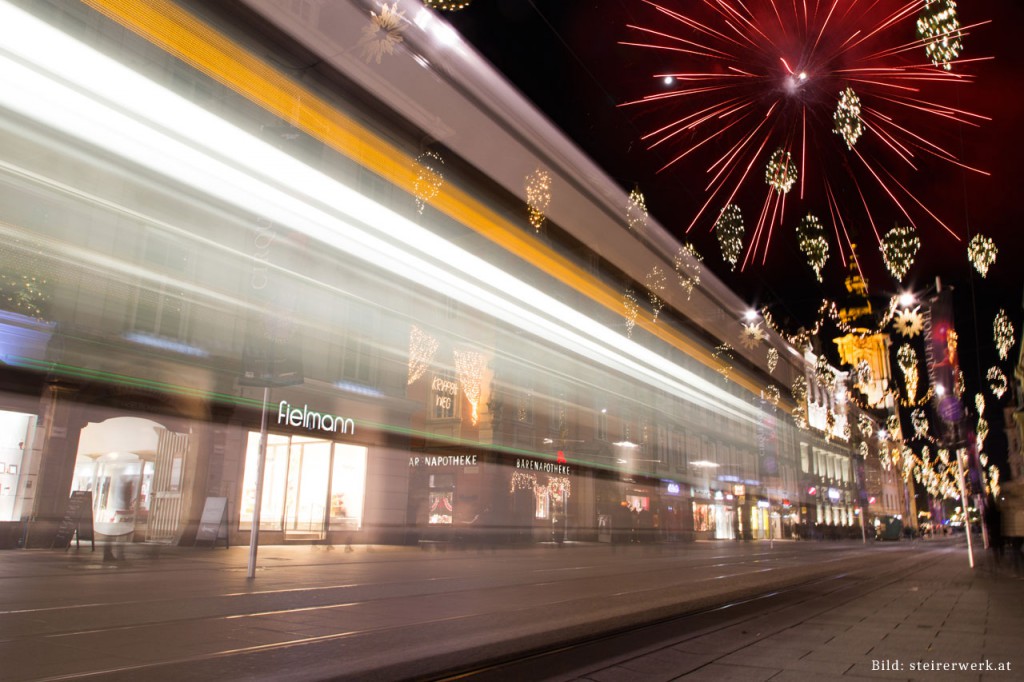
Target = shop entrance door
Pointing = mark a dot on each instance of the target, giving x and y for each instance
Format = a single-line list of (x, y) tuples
[(309, 473)]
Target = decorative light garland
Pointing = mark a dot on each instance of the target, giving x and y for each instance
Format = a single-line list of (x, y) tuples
[(772, 394), (632, 307), (687, 264), (939, 29), (655, 282), (723, 353), (780, 174), (810, 236), (729, 231), (919, 420), (383, 34), (899, 247), (538, 197), (1002, 332), (979, 403), (824, 374), (636, 211), (772, 359), (447, 5), (997, 381), (429, 178), (847, 117), (469, 367), (422, 347), (982, 253)]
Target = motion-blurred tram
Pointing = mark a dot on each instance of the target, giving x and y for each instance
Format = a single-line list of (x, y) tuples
[(315, 265)]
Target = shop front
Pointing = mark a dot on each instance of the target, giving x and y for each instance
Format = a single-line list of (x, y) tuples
[(541, 505)]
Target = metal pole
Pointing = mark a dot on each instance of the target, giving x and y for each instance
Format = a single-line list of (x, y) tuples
[(964, 502), (254, 538)]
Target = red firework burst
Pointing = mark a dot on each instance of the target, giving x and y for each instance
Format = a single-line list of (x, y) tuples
[(760, 80)]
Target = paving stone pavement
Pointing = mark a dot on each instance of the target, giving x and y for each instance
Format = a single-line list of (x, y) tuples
[(944, 622)]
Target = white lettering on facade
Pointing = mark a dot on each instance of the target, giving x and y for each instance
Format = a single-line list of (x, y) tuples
[(546, 467), (314, 421), (444, 461), (440, 385)]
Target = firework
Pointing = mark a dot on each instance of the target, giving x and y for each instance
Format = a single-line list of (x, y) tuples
[(899, 246), (811, 239), (757, 82), (729, 230)]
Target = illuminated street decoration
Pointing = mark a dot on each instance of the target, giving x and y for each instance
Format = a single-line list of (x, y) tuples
[(847, 117), (811, 239), (909, 323), (906, 358), (636, 211), (752, 335), (632, 308), (422, 347), (723, 353), (997, 381), (939, 29), (981, 431), (655, 282), (824, 374), (772, 394), (899, 247), (429, 168), (919, 420), (780, 173), (687, 264), (469, 367), (982, 253), (1002, 332), (538, 197), (772, 359), (729, 231), (447, 5), (799, 393), (383, 34), (979, 403), (865, 425)]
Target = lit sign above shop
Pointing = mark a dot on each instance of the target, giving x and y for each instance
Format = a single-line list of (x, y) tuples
[(546, 467), (443, 461), (314, 421)]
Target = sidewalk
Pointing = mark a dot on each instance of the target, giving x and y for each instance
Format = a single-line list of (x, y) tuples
[(945, 622)]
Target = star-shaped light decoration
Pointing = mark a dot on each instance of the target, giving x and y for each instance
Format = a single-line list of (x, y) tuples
[(1002, 332), (982, 253), (383, 34), (752, 335), (909, 323), (687, 263), (997, 381), (772, 359)]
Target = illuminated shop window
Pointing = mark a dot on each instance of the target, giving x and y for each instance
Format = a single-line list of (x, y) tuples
[(444, 396), (441, 500)]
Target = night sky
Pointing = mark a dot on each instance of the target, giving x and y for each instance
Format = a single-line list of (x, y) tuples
[(566, 56)]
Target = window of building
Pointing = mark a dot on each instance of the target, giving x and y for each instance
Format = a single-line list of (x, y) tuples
[(444, 396)]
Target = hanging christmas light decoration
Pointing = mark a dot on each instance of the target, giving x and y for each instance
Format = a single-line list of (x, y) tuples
[(864, 450), (538, 197), (824, 374), (560, 487), (723, 353), (522, 480), (24, 293), (982, 253), (1002, 331), (422, 347), (780, 174), (729, 230), (847, 117), (864, 374), (772, 359), (429, 168), (993, 480), (447, 5), (959, 383), (632, 307), (997, 381), (981, 432), (772, 394), (919, 420), (383, 34), (939, 29), (469, 367), (979, 403), (892, 424), (752, 335), (909, 323), (906, 357), (636, 211), (899, 247), (655, 282), (687, 263), (810, 236), (865, 425)]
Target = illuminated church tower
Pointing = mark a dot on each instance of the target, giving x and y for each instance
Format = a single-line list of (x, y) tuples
[(862, 349)]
